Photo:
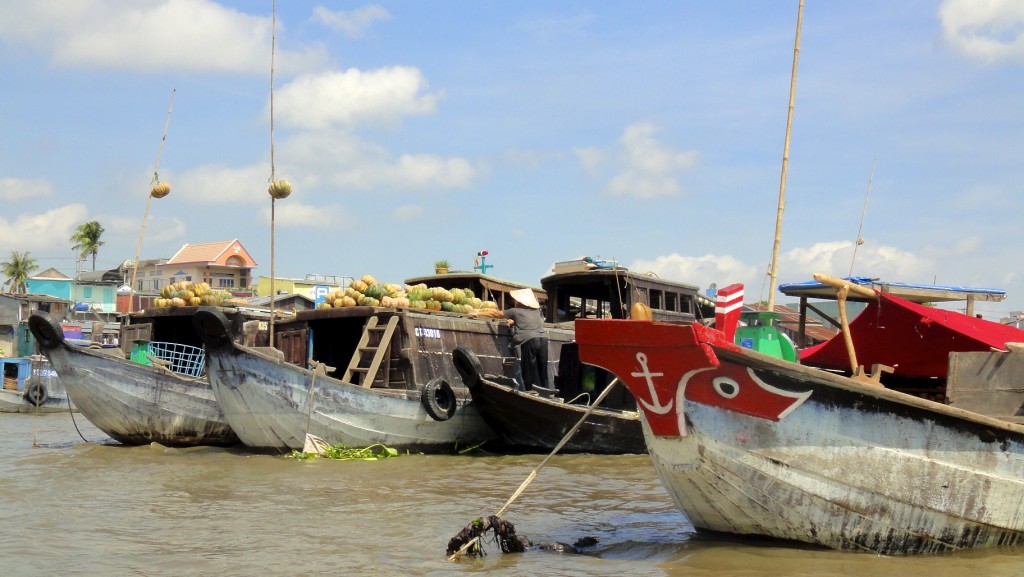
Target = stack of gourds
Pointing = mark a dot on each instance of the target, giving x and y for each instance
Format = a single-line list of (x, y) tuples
[(188, 294), (367, 292)]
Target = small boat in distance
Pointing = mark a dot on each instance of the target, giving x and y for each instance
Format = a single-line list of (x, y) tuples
[(30, 385)]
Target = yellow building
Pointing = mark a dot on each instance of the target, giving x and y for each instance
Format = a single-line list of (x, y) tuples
[(224, 265), (307, 287)]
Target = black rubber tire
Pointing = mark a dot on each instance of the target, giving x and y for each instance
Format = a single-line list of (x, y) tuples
[(46, 329), (213, 327), (439, 400), (468, 366), (35, 392)]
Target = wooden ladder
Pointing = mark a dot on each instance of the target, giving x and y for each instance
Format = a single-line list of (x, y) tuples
[(375, 341)]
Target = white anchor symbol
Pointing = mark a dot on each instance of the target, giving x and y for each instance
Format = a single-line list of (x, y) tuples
[(657, 407)]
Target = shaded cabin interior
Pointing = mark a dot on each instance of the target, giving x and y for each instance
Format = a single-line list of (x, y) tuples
[(611, 292), (578, 290)]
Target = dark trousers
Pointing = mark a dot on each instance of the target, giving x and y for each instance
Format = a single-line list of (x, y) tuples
[(534, 363)]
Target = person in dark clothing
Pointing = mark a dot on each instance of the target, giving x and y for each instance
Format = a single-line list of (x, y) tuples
[(528, 334)]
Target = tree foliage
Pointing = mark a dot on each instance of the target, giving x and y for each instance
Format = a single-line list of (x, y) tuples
[(17, 270), (87, 240)]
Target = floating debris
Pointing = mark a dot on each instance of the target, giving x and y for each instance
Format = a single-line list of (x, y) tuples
[(343, 453), (578, 547), (473, 534)]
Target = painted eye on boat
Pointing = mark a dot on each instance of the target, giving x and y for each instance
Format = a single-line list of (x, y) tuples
[(726, 387)]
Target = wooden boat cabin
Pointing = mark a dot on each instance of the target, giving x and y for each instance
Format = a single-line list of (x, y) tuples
[(589, 288), (600, 289)]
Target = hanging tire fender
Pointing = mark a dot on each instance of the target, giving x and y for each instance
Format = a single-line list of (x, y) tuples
[(213, 327), (468, 366), (439, 399), (46, 330), (35, 392)]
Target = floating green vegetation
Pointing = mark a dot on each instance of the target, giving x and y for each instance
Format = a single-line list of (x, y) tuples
[(343, 453)]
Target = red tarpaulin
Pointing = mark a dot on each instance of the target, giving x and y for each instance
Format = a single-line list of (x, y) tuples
[(916, 340)]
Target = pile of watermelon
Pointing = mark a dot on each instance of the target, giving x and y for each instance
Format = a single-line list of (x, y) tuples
[(188, 294), (367, 292)]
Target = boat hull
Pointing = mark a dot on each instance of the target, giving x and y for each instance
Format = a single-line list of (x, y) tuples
[(14, 402), (137, 404), (750, 445), (271, 404), (527, 421)]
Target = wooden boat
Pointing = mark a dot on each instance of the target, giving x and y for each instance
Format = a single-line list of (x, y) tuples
[(168, 400), (30, 385), (529, 421), (538, 420), (748, 444), (357, 376)]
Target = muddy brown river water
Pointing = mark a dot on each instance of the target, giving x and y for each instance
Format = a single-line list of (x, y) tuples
[(88, 507)]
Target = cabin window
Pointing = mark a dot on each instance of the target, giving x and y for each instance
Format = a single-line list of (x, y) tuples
[(87, 292), (671, 301), (655, 302)]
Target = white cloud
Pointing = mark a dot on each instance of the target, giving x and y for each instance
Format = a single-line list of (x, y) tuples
[(646, 167), (352, 24), (990, 30), (300, 215), (796, 265), (47, 231), (700, 271), (591, 159), (219, 184), (152, 35), (353, 97), (341, 161), (17, 189), (834, 259)]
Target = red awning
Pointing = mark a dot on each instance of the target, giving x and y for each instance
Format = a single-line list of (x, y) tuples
[(916, 340)]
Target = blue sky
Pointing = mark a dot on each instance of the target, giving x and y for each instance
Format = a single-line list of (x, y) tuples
[(651, 133)]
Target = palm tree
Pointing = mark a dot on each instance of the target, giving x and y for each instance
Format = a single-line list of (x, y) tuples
[(87, 240), (17, 270)]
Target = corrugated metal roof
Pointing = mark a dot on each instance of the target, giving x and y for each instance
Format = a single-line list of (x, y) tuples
[(51, 274)]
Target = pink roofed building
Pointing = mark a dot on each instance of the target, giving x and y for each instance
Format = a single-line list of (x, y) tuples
[(224, 265)]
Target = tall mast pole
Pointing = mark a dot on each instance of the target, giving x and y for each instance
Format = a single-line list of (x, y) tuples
[(774, 269)]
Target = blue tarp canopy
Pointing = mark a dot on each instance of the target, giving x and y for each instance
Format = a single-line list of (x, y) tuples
[(919, 293)]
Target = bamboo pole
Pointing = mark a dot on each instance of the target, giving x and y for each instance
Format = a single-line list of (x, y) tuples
[(149, 199), (774, 269)]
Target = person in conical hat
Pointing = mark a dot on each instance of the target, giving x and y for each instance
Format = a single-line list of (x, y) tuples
[(525, 297), (528, 334)]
